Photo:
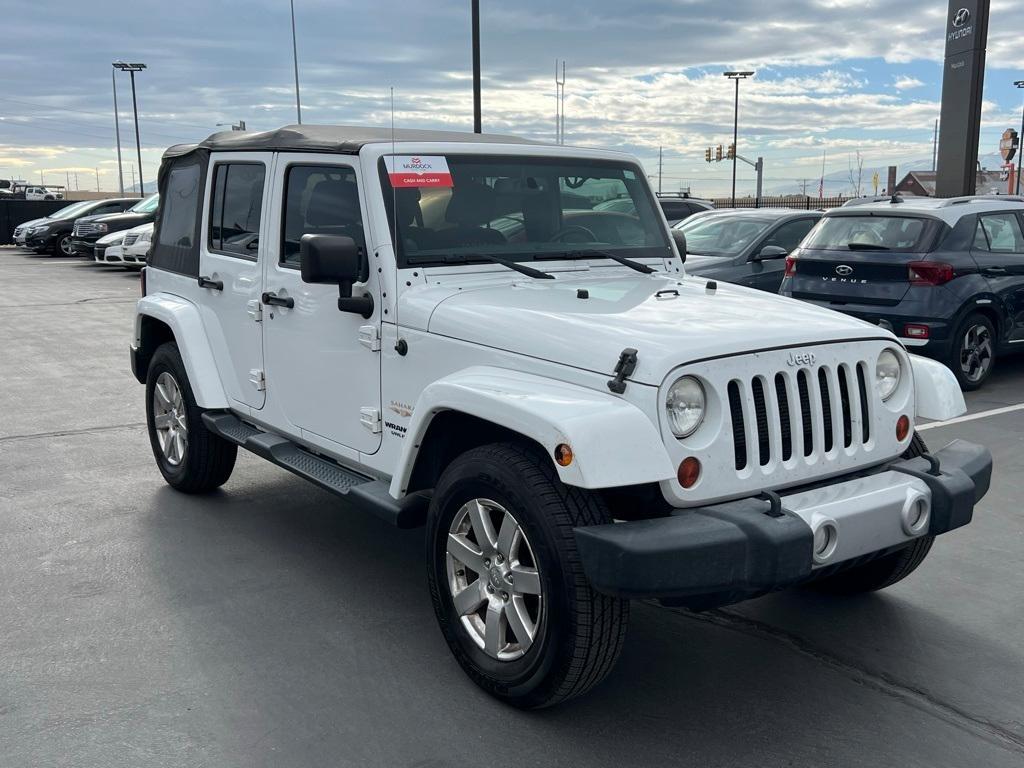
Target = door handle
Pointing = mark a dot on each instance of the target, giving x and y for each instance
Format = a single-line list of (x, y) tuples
[(994, 272), (206, 282), (276, 301)]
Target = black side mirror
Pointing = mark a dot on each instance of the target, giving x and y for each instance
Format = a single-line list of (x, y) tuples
[(337, 260), (680, 240), (770, 252)]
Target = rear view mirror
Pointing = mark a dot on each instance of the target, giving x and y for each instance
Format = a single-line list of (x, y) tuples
[(771, 252), (337, 260), (679, 238)]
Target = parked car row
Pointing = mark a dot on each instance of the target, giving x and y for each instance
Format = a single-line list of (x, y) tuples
[(95, 229)]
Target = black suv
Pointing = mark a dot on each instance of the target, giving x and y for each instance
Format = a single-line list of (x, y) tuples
[(947, 276), (53, 233), (745, 246), (89, 229)]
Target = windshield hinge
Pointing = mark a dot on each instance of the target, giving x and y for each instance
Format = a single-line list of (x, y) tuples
[(370, 418), (255, 310), (369, 337), (257, 379), (623, 369)]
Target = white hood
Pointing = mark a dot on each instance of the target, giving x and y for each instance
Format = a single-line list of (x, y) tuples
[(686, 322)]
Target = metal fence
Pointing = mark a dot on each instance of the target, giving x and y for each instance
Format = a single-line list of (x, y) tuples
[(804, 202), (15, 212)]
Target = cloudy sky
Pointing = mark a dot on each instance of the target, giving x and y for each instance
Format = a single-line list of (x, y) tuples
[(841, 75)]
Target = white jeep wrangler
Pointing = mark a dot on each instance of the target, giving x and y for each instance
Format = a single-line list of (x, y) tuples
[(448, 329)]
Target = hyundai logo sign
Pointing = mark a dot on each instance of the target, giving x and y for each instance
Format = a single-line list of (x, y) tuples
[(961, 17), (843, 270)]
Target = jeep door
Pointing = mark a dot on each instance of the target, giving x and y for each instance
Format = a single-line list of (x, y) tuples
[(230, 270), (323, 370), (998, 251)]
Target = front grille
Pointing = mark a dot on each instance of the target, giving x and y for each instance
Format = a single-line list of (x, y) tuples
[(785, 415), (84, 229), (130, 239)]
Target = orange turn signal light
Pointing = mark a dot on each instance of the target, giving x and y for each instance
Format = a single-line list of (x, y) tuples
[(563, 455), (902, 428), (689, 472)]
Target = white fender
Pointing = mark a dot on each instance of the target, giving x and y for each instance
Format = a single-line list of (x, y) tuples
[(937, 393), (182, 316), (613, 442)]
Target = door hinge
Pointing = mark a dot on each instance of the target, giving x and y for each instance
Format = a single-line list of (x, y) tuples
[(369, 337), (370, 418), (257, 379), (255, 310)]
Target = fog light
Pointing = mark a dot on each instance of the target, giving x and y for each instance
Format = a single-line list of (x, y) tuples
[(916, 513), (563, 455), (826, 537), (902, 428), (689, 472)]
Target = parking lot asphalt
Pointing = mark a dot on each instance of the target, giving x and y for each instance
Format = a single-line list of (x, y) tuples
[(269, 625)]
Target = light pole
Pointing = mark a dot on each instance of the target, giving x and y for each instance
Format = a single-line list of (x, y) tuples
[(117, 132), (1020, 140), (131, 69), (736, 77), (477, 127), (295, 60)]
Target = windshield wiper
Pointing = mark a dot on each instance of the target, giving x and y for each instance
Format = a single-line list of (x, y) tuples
[(466, 258), (865, 247), (589, 253)]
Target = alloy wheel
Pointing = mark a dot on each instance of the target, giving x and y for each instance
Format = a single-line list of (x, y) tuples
[(65, 245), (976, 353), (493, 579), (169, 419)]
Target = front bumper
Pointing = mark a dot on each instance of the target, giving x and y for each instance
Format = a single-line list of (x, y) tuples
[(83, 247), (41, 242), (720, 554)]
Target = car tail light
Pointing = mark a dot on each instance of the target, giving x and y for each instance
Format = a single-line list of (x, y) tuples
[(929, 272), (915, 331), (142, 280), (790, 266)]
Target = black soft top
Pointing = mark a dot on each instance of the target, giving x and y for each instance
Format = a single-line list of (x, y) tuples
[(344, 139)]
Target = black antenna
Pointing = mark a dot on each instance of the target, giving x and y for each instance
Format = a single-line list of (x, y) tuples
[(400, 344)]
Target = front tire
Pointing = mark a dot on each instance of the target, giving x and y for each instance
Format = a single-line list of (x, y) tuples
[(506, 580), (886, 570), (63, 246), (190, 457)]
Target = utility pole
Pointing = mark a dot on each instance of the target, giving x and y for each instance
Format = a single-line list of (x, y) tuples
[(117, 130), (295, 61), (562, 129), (133, 176), (736, 77), (97, 179), (475, 9), (659, 168), (76, 181), (41, 183), (935, 145), (559, 104)]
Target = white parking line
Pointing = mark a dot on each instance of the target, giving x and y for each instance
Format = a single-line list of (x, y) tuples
[(973, 416)]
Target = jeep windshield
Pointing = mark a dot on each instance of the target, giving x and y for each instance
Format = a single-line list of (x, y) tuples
[(722, 234), (524, 208), (869, 233)]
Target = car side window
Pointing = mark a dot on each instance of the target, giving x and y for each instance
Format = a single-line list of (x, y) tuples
[(236, 204), (999, 233), (319, 200), (790, 234)]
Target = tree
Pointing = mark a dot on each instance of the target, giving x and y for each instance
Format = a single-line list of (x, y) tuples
[(856, 175)]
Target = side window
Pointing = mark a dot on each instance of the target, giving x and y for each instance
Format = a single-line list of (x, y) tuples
[(109, 208), (790, 234), (235, 206), (179, 204), (999, 233), (319, 200)]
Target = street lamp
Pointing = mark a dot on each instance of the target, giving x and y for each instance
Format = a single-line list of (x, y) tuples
[(117, 133), (1020, 140), (131, 69), (736, 77)]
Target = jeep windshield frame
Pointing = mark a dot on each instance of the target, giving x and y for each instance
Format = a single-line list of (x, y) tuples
[(513, 205)]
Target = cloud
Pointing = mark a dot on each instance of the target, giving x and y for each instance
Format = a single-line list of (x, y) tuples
[(905, 82)]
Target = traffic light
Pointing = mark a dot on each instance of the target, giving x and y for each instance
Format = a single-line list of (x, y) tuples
[(732, 152), (707, 155), (718, 153)]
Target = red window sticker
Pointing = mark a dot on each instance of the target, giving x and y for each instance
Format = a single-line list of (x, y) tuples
[(418, 171)]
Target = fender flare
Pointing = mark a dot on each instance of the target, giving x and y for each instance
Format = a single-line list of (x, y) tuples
[(613, 442), (937, 393), (182, 317)]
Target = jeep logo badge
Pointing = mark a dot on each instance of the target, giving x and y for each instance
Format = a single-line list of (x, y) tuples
[(961, 17), (800, 358), (844, 270)]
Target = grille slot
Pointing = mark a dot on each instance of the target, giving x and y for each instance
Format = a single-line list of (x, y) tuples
[(739, 432), (826, 408), (862, 386), (761, 414), (847, 408), (782, 394), (805, 412)]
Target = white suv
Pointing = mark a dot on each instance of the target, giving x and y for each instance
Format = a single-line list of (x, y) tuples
[(436, 328)]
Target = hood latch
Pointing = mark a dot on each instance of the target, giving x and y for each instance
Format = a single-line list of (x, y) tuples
[(623, 369)]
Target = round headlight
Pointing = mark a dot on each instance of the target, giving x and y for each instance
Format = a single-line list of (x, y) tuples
[(888, 370), (685, 406)]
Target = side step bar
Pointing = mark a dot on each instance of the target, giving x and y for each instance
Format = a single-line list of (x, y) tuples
[(360, 490)]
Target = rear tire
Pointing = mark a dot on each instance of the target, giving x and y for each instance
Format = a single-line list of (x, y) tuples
[(888, 569), (973, 355), (569, 636), (190, 457)]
